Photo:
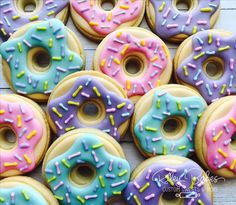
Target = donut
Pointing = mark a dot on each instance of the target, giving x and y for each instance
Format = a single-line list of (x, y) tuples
[(96, 22), (168, 22), (38, 56), (86, 166), (136, 58), (215, 137), (14, 14), (164, 120), (27, 122), (207, 63), (25, 190), (89, 99), (166, 180)]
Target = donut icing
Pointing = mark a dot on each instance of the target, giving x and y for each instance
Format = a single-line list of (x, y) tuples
[(28, 129), (52, 36), (22, 194), (104, 22), (218, 137), (187, 178), (112, 173), (11, 20), (171, 22), (207, 44), (121, 44), (63, 110), (164, 105)]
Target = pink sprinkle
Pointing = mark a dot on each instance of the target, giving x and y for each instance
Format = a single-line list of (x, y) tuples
[(170, 170), (199, 83), (215, 85), (202, 22), (189, 20), (105, 196), (190, 138), (58, 125), (69, 118), (13, 198), (181, 185), (85, 94), (218, 42), (118, 183), (110, 165), (115, 132), (136, 185), (231, 63), (58, 168), (191, 65), (49, 2), (58, 186), (172, 26), (149, 196), (141, 127), (228, 91), (95, 156), (148, 174), (129, 106), (74, 155), (7, 10), (167, 13), (111, 110), (198, 48)]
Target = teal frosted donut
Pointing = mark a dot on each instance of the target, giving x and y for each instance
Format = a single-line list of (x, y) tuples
[(164, 120), (38, 56), (86, 166)]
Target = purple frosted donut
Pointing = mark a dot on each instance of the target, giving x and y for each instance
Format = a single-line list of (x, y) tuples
[(177, 176), (13, 14), (207, 62), (67, 110), (169, 23)]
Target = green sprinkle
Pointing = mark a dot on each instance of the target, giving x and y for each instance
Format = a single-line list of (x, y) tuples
[(45, 85), (97, 146), (152, 129), (80, 199), (25, 195), (65, 163), (123, 173), (73, 103), (101, 181), (69, 128), (159, 104), (50, 43), (144, 187), (51, 179), (56, 58), (223, 89), (2, 199), (164, 149), (116, 192), (41, 28), (71, 57), (60, 198), (182, 147), (179, 105), (20, 74), (20, 48)]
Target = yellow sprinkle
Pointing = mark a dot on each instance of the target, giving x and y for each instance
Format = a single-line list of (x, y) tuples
[(137, 200), (91, 3), (10, 164), (144, 187), (111, 117), (142, 42), (51, 179), (185, 70), (50, 13), (199, 56), (96, 91), (121, 105), (164, 149), (179, 105), (118, 34), (19, 124), (50, 43), (209, 38), (158, 83), (25, 195), (194, 180), (77, 91), (45, 85), (92, 23), (2, 112), (125, 49), (97, 146), (101, 181), (128, 85), (73, 103), (154, 58), (20, 74), (165, 50), (223, 89), (103, 63), (117, 61), (60, 198), (125, 7), (224, 48), (80, 199), (65, 163), (231, 119), (28, 160), (123, 173), (162, 6), (158, 103), (15, 17), (208, 9), (232, 166), (217, 136), (199, 201), (69, 128), (32, 134), (169, 180), (194, 29), (225, 155), (3, 31), (57, 112), (20, 48), (33, 18), (109, 16)]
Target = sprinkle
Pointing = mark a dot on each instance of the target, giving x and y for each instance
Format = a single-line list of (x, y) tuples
[(194, 180), (19, 124), (169, 180), (225, 155), (54, 109), (101, 181), (80, 199), (224, 48), (77, 91), (164, 149), (10, 164), (137, 200), (232, 166), (231, 119), (73, 103), (51, 179), (28, 160), (126, 47), (25, 195), (111, 117), (128, 85), (208, 9), (199, 56), (20, 74), (218, 136), (144, 187), (151, 129), (60, 198), (96, 91), (179, 105), (123, 173), (64, 162), (32, 134)]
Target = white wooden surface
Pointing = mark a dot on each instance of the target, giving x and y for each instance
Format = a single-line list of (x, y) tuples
[(224, 190)]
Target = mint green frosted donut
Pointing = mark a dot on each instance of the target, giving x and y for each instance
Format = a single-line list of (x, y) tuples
[(52, 36)]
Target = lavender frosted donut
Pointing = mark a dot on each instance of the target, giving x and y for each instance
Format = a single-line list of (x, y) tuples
[(207, 62), (89, 99), (13, 13), (159, 179), (172, 24)]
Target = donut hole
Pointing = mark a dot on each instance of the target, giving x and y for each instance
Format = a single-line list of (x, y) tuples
[(27, 6), (214, 68), (7, 138), (171, 197), (183, 5), (83, 174), (39, 59), (91, 112), (133, 65), (233, 141), (108, 5), (173, 127)]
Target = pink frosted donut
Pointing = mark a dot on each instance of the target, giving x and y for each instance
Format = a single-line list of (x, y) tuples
[(27, 121), (96, 22), (215, 137), (135, 58)]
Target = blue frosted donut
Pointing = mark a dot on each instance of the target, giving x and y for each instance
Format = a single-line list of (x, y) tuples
[(13, 16)]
